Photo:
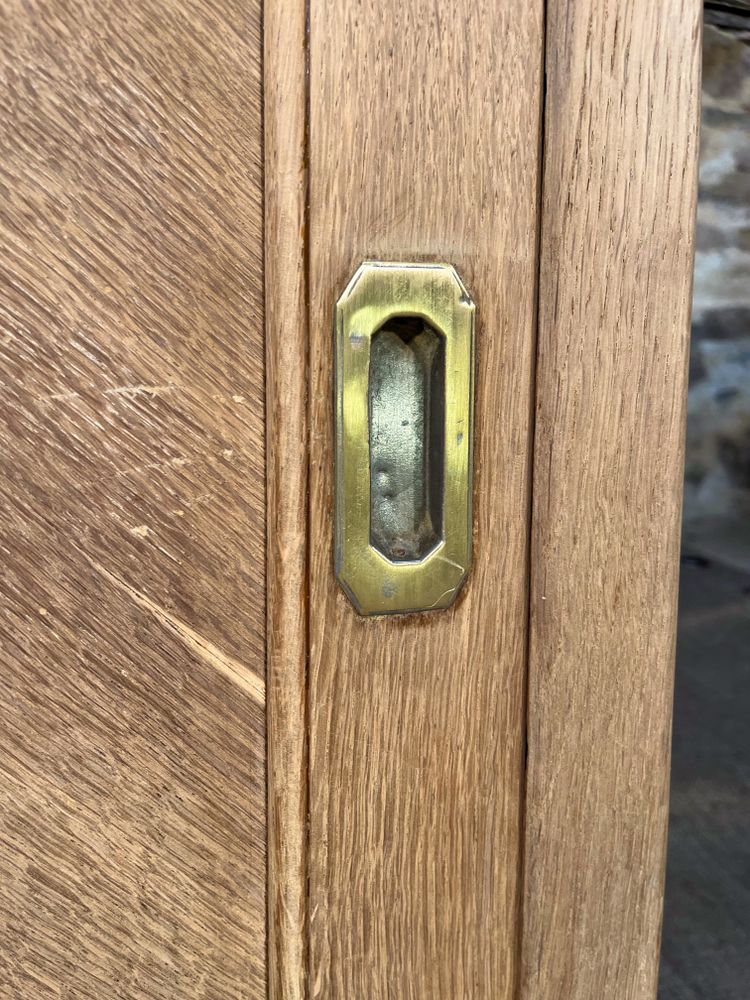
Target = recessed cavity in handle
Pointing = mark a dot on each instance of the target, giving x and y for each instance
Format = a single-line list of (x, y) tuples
[(406, 425)]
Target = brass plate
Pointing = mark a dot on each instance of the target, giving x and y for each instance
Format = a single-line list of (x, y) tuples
[(378, 294)]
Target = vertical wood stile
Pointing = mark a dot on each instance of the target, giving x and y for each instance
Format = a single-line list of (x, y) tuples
[(424, 145), (285, 54), (620, 165)]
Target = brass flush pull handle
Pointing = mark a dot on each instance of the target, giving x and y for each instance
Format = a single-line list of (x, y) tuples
[(404, 397)]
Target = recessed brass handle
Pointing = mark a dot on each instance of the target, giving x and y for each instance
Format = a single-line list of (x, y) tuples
[(404, 402)]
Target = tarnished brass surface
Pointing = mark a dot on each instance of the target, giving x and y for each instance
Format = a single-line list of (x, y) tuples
[(404, 386), (406, 394)]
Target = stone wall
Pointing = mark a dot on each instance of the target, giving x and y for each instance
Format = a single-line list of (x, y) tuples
[(717, 473)]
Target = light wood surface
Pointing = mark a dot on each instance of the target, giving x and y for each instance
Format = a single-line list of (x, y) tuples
[(132, 527), (620, 141), (284, 74), (424, 136)]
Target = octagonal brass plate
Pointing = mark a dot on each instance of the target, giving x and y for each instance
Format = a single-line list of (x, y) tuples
[(404, 414)]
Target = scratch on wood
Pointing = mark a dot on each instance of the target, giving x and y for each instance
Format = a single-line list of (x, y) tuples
[(235, 671), (131, 391)]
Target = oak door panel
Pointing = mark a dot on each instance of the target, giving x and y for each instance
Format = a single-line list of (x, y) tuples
[(132, 529)]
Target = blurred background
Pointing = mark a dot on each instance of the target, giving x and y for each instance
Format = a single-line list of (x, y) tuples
[(706, 939)]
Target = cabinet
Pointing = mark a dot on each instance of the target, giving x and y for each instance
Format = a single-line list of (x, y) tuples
[(219, 781)]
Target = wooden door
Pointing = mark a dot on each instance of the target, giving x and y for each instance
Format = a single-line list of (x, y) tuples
[(132, 526), (460, 804), (473, 803)]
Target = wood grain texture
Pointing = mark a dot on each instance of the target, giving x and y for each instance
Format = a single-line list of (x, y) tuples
[(424, 136), (284, 73), (621, 127), (132, 528)]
